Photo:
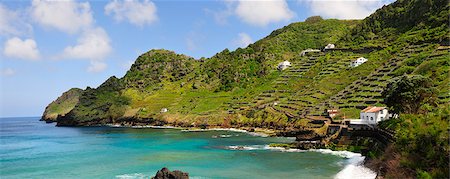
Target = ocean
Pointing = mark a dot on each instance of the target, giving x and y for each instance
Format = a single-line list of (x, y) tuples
[(30, 148)]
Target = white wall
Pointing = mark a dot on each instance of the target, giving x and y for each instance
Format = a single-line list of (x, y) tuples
[(370, 118), (374, 118)]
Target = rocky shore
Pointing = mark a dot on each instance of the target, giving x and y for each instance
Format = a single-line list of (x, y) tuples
[(165, 173)]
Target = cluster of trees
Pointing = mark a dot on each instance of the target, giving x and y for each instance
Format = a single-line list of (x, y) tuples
[(387, 23), (413, 94), (421, 130)]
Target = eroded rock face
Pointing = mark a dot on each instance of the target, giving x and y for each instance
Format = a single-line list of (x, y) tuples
[(61, 106), (165, 173), (307, 135)]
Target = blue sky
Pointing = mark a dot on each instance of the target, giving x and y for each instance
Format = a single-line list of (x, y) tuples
[(48, 47)]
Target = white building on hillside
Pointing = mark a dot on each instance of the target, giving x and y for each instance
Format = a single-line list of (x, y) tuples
[(284, 65), (164, 110), (371, 115), (358, 62), (330, 46), (304, 52)]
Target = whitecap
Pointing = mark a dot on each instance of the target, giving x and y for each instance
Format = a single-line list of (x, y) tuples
[(225, 136), (132, 176), (354, 167), (262, 147), (243, 147), (227, 129)]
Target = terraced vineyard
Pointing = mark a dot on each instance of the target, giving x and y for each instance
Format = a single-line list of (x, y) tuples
[(301, 92), (244, 88)]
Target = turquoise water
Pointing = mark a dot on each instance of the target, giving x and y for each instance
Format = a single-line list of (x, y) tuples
[(33, 149)]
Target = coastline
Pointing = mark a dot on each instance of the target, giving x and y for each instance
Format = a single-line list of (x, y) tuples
[(261, 132), (358, 165)]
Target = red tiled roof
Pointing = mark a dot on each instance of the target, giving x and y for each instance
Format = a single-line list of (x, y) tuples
[(372, 109)]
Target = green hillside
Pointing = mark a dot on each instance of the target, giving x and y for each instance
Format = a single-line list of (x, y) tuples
[(244, 87), (207, 89), (406, 37), (407, 47)]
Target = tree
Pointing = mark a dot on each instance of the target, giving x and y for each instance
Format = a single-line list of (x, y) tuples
[(410, 94)]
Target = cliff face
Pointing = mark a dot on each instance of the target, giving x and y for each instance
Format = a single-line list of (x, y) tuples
[(244, 87), (63, 105)]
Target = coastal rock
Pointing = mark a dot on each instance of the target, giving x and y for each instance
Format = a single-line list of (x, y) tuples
[(307, 135), (165, 173), (61, 106)]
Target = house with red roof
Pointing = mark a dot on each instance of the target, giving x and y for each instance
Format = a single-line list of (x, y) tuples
[(372, 115)]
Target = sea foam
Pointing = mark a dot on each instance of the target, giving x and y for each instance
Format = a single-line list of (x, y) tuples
[(227, 129), (132, 176), (354, 167)]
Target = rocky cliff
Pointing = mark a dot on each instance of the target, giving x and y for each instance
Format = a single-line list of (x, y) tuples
[(63, 105)]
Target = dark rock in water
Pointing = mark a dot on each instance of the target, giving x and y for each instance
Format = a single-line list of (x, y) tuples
[(165, 173)]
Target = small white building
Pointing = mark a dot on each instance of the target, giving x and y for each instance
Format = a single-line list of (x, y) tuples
[(371, 116), (358, 62), (304, 52), (284, 65), (333, 112), (164, 110), (330, 46)]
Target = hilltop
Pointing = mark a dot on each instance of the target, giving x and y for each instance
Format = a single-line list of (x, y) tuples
[(406, 40), (240, 87)]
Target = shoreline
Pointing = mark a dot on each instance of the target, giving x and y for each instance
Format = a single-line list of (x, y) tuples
[(361, 163), (260, 132)]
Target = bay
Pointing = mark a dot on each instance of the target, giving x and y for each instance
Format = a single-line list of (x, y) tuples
[(30, 148)]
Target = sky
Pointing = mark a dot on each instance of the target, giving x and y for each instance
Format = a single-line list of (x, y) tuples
[(48, 47)]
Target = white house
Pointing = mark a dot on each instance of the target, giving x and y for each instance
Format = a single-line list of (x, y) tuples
[(164, 110), (371, 115), (358, 62), (284, 65), (304, 52), (330, 46)]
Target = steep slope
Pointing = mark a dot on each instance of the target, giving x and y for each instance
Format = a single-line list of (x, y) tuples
[(197, 89), (63, 105), (244, 88)]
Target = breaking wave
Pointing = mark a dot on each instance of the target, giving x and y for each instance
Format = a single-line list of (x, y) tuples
[(354, 167), (132, 176), (227, 129)]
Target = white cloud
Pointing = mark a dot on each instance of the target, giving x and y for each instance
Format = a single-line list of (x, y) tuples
[(7, 72), (136, 12), (97, 66), (345, 9), (261, 13), (67, 16), (243, 40), (94, 44), (22, 49), (12, 23), (254, 12), (75, 17)]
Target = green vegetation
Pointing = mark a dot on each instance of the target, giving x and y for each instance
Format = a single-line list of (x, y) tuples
[(63, 105), (410, 95), (406, 44), (422, 142)]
